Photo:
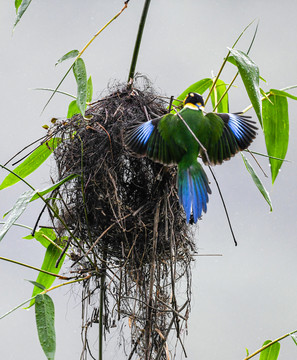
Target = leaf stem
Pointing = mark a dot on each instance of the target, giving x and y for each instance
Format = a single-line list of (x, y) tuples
[(138, 40), (269, 344), (223, 65), (84, 49), (34, 268)]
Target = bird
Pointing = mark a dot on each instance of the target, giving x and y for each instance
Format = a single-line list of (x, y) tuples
[(180, 138)]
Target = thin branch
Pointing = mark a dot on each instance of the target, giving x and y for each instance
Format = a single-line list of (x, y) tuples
[(34, 268), (83, 50), (269, 344), (225, 208)]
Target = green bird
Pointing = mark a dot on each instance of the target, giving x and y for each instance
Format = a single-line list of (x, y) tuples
[(180, 138)]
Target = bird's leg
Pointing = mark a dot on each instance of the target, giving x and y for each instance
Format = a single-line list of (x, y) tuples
[(194, 136)]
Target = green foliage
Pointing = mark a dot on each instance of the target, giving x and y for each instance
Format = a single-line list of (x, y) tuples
[(199, 87), (45, 322), (80, 74), (31, 163), (271, 353), (276, 130), (53, 187), (17, 210), (71, 54), (257, 181), (49, 264), (216, 95), (20, 7), (73, 107), (41, 234), (17, 4), (249, 73), (35, 283)]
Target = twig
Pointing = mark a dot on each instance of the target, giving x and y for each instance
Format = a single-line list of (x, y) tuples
[(269, 344), (257, 162), (34, 268), (225, 208)]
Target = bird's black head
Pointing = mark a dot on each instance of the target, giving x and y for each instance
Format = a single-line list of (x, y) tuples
[(195, 100)]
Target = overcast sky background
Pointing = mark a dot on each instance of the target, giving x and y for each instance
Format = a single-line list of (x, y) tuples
[(241, 298)]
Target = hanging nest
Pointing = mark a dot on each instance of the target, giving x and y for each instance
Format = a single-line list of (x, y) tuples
[(129, 230)]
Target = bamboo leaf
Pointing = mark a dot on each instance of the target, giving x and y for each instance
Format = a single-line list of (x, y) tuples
[(216, 95), (249, 73), (53, 187), (276, 130), (71, 54), (282, 93), (19, 207), (294, 337), (31, 163), (257, 181), (73, 109), (17, 4), (80, 73), (35, 283), (270, 353), (89, 90), (38, 235), (49, 264), (199, 87), (45, 322), (21, 8)]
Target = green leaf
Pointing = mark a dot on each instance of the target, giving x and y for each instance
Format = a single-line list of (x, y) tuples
[(71, 54), (271, 353), (80, 73), (73, 109), (294, 337), (40, 286), (38, 235), (45, 322), (31, 163), (21, 8), (19, 207), (276, 130), (282, 93), (17, 4), (53, 187), (257, 181), (249, 73), (199, 87), (216, 95), (49, 264), (89, 90)]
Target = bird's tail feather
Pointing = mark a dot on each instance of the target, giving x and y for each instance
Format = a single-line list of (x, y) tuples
[(193, 190)]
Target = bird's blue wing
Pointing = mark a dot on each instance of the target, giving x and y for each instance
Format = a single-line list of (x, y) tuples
[(238, 133), (152, 138)]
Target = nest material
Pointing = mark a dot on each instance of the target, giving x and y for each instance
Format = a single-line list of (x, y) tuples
[(125, 212)]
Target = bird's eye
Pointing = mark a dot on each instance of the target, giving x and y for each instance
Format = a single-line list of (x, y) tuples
[(191, 94)]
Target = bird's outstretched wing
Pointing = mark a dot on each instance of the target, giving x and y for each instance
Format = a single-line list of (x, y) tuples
[(238, 133), (153, 139)]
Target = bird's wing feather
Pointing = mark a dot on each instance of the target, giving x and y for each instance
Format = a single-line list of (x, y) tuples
[(237, 134), (154, 139)]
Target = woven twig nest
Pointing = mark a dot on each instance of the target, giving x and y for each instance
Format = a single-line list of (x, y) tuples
[(125, 212)]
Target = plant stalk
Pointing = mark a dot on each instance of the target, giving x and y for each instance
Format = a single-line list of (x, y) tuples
[(138, 40)]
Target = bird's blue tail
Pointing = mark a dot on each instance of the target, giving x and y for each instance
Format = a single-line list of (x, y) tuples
[(193, 190)]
